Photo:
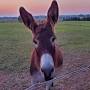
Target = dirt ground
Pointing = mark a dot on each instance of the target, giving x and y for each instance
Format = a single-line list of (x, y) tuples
[(73, 60)]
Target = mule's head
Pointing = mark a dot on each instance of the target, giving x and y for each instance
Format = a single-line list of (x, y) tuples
[(43, 37)]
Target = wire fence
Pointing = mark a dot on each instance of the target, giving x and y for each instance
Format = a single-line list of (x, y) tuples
[(37, 86)]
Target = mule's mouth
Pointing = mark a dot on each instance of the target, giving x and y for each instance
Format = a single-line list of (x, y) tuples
[(48, 78), (48, 75)]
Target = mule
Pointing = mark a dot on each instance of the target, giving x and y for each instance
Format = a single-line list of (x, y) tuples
[(46, 56)]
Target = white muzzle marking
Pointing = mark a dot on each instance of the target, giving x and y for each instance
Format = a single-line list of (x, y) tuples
[(46, 61)]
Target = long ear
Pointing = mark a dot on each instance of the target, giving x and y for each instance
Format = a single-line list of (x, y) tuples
[(27, 19), (53, 12)]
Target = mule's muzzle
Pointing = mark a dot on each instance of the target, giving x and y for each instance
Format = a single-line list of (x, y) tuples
[(47, 66), (48, 73)]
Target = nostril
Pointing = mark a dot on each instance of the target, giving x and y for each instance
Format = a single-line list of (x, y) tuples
[(42, 70), (52, 70)]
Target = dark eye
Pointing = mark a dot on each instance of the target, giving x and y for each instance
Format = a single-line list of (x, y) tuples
[(36, 42), (52, 38)]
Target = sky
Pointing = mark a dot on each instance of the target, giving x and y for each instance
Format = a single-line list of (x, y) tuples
[(40, 7)]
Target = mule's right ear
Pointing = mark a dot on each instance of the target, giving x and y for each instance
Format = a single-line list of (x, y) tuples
[(27, 19), (53, 12)]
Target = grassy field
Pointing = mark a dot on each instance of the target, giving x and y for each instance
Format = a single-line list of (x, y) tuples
[(74, 34), (16, 43)]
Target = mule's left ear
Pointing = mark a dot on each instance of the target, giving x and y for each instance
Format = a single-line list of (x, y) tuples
[(53, 12)]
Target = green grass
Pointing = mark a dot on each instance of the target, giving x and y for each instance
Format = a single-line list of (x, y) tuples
[(15, 45), (74, 34), (16, 42)]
